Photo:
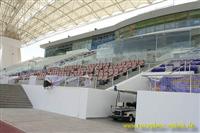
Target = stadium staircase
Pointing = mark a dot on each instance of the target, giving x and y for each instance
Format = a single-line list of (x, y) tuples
[(13, 96)]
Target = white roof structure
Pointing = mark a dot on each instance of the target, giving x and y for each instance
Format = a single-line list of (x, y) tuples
[(26, 20)]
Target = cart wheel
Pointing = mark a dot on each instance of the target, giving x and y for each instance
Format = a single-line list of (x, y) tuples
[(114, 119), (131, 119)]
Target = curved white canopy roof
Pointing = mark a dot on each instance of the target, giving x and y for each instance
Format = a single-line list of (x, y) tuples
[(26, 20)]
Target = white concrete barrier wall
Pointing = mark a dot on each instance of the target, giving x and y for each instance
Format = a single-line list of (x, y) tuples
[(199, 113), (63, 100), (167, 108), (73, 101), (100, 101), (134, 84)]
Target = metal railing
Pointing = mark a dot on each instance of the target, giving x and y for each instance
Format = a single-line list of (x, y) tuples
[(175, 82), (83, 81)]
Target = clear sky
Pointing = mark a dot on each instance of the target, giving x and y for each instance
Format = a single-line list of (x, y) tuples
[(34, 49)]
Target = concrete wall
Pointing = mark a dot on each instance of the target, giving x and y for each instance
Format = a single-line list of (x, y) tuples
[(152, 107), (99, 103), (74, 101), (67, 101), (134, 84), (167, 108), (10, 51), (199, 110)]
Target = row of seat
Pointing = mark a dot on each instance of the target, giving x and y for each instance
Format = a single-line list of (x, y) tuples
[(103, 71), (179, 65)]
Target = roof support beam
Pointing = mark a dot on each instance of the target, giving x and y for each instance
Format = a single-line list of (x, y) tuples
[(40, 20), (7, 3), (33, 16), (149, 1), (51, 13), (32, 36), (91, 9), (67, 14), (119, 6), (32, 19), (72, 20), (103, 9), (26, 12), (17, 9), (132, 4)]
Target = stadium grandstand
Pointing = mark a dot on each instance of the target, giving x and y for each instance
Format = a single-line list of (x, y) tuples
[(94, 66)]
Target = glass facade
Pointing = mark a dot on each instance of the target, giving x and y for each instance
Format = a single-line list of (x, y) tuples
[(172, 21), (120, 40), (58, 50), (101, 39), (81, 44), (156, 47), (195, 37)]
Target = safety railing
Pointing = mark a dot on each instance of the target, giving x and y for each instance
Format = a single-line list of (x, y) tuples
[(176, 82), (78, 81)]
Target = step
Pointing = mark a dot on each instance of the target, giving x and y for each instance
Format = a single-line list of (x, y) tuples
[(14, 106), (13, 101), (13, 96)]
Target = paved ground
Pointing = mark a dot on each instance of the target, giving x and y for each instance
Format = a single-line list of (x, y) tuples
[(37, 121)]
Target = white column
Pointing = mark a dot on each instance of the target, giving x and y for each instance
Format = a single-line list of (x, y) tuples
[(10, 53)]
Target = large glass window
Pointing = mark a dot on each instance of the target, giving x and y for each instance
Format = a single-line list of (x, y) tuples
[(173, 40), (159, 27), (150, 29), (168, 43), (171, 25), (98, 40), (58, 50), (171, 21), (194, 21), (81, 44), (195, 37), (183, 23), (137, 47), (151, 47)]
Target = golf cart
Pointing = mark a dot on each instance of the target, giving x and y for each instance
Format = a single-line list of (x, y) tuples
[(124, 111)]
